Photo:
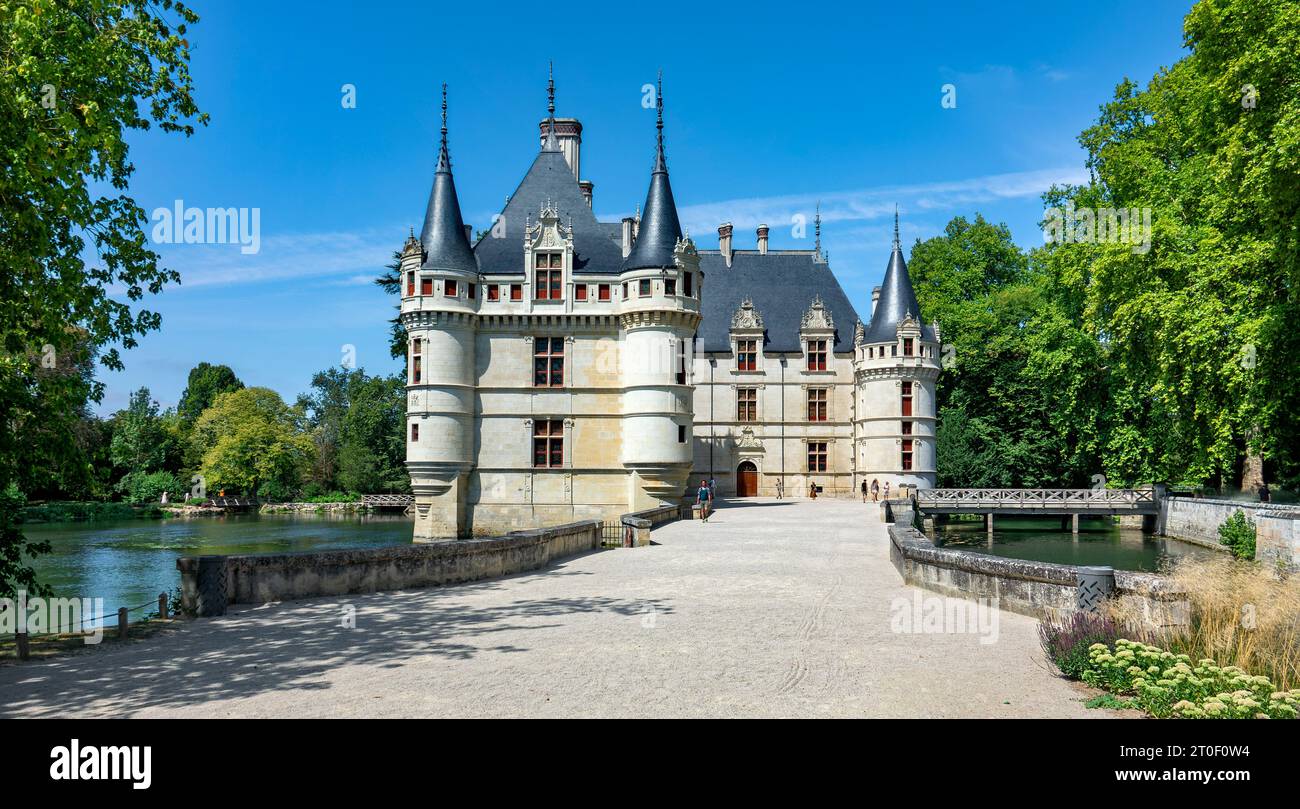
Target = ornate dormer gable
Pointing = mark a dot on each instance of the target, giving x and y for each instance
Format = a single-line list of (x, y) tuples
[(746, 317), (909, 326), (412, 247), (685, 256), (817, 318), (859, 333), (548, 232)]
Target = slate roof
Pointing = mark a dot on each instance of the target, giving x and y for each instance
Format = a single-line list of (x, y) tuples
[(782, 285), (443, 233), (596, 250), (897, 299)]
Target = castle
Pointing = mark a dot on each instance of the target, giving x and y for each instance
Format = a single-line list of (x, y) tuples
[(564, 368)]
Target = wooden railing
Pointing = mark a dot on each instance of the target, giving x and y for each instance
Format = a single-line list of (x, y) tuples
[(387, 500)]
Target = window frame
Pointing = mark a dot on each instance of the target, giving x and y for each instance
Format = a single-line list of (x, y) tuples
[(544, 348), (819, 408), (548, 434), (816, 351), (818, 456), (747, 405)]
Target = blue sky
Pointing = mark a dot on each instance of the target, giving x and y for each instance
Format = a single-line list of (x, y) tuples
[(769, 108)]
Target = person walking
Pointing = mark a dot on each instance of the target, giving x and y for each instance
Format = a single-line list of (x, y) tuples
[(780, 488), (812, 491), (875, 490), (704, 499), (864, 490), (886, 490)]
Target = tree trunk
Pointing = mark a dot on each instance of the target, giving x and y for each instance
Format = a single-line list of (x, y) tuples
[(1252, 467)]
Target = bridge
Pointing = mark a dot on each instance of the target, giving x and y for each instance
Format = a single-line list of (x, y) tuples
[(387, 500), (1071, 503)]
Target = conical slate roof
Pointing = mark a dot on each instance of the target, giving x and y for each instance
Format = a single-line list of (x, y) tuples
[(897, 300), (443, 235), (660, 229)]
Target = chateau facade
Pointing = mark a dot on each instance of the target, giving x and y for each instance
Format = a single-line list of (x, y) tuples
[(563, 368), (793, 390)]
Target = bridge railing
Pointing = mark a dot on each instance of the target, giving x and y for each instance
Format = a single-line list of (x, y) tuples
[(1035, 498)]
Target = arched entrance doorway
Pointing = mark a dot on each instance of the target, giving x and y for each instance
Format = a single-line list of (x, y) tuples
[(747, 479)]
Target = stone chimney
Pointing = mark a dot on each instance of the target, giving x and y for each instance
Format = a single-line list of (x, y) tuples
[(875, 298), (762, 240), (586, 186), (569, 134), (628, 222), (469, 234), (724, 242)]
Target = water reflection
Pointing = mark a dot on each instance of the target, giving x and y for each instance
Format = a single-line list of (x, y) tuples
[(1099, 542)]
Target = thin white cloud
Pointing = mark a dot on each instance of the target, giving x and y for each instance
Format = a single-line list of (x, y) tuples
[(864, 205)]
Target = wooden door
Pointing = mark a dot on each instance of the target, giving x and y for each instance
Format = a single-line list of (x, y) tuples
[(747, 480)]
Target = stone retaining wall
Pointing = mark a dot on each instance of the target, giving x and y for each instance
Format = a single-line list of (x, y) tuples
[(259, 578), (1197, 519), (1040, 589), (640, 522)]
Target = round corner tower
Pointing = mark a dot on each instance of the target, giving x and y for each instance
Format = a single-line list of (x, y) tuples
[(896, 361)]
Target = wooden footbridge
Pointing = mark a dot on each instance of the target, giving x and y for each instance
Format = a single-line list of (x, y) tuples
[(1072, 503), (394, 501)]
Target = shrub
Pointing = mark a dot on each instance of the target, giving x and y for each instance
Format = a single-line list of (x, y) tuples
[(1165, 684), (139, 487), (1067, 642), (1238, 534)]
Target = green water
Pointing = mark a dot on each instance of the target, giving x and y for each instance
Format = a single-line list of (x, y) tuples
[(129, 562), (1099, 542)]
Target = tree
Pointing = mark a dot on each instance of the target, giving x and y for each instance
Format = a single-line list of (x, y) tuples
[(358, 426), (205, 383), (252, 442), (139, 441), (74, 76), (391, 282), (1199, 330)]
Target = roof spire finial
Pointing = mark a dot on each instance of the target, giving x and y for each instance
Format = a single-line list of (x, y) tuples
[(659, 103), (817, 228), (444, 115), (550, 89), (896, 241)]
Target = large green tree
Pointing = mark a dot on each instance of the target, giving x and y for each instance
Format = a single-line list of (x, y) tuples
[(251, 442), (205, 383), (357, 425), (75, 77), (1199, 330)]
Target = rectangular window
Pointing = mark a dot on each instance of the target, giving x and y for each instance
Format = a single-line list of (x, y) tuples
[(410, 283), (686, 284), (493, 292), (580, 292), (415, 361), (516, 292), (907, 399), (643, 288), (746, 355), (548, 443), (679, 362), (602, 292), (670, 287), (681, 433), (907, 346), (415, 433), (907, 454), (547, 287), (449, 289), (548, 362), (426, 286), (816, 456), (625, 290), (907, 428), (817, 404), (746, 404), (472, 290), (816, 355), (893, 350)]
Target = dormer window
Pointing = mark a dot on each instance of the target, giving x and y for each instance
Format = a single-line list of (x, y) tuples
[(907, 346), (410, 283), (549, 277), (746, 355), (816, 355), (687, 285)]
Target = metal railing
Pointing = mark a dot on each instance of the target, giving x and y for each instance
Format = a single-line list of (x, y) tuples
[(1030, 499)]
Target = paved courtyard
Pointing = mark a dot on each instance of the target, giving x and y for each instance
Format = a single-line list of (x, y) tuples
[(773, 608)]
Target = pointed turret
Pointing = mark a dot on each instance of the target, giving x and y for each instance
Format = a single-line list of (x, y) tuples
[(897, 299), (660, 229), (443, 236)]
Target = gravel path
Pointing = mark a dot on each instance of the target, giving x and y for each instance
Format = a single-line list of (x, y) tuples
[(776, 608)]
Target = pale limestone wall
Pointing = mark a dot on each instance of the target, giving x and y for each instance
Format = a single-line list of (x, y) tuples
[(878, 428), (783, 436)]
